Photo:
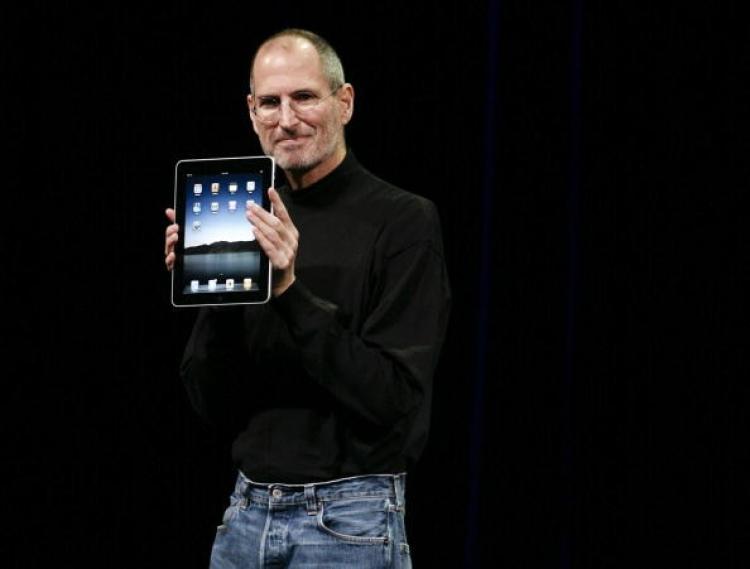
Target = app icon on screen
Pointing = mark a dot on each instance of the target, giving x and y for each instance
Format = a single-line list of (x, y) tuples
[(198, 189), (194, 286), (251, 186), (197, 225), (212, 284), (229, 284), (232, 187), (247, 284), (214, 188), (196, 208), (232, 205), (214, 207)]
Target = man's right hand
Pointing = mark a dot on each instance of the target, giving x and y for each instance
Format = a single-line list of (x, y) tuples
[(171, 237)]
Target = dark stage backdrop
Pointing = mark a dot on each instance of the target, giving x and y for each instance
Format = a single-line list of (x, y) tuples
[(583, 158)]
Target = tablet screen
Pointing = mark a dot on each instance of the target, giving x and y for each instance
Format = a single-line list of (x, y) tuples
[(218, 261)]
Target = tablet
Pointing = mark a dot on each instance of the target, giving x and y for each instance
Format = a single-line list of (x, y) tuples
[(217, 259)]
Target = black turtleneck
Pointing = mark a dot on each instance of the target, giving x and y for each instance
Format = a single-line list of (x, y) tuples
[(333, 378)]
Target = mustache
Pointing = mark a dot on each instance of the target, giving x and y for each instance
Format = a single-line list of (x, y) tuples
[(289, 136)]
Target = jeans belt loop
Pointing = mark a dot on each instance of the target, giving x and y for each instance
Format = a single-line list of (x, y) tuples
[(398, 489), (310, 500)]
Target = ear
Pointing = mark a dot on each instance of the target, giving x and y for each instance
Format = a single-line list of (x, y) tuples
[(346, 102), (250, 103)]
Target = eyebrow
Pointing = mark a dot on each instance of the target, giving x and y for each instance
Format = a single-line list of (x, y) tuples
[(294, 93)]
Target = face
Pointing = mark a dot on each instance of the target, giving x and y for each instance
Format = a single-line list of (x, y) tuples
[(286, 70)]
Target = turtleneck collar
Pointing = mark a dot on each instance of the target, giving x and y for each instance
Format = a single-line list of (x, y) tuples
[(327, 187)]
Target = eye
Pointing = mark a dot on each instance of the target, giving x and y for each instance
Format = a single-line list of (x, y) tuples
[(268, 102), (304, 97)]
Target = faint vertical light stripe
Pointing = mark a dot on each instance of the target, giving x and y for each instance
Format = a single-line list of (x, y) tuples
[(471, 550), (568, 505)]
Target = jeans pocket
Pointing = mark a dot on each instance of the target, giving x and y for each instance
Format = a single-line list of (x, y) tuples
[(231, 512), (355, 520)]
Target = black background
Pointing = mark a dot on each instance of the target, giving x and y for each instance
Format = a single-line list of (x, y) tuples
[(587, 160)]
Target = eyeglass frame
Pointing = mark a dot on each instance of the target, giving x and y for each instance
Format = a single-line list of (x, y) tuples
[(296, 111)]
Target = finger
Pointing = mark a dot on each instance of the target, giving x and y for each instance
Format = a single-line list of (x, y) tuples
[(282, 212), (269, 222), (172, 236), (279, 250), (169, 242), (274, 252), (279, 209), (169, 261), (279, 212), (255, 210), (272, 229)]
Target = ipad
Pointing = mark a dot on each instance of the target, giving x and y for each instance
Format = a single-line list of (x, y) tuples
[(217, 259)]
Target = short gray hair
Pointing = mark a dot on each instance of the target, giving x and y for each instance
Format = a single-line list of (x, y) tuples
[(329, 59)]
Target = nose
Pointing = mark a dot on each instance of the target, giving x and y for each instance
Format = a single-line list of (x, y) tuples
[(287, 115)]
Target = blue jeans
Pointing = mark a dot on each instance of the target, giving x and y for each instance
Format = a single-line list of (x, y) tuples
[(355, 522)]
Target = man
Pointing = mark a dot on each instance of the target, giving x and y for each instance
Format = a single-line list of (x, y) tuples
[(326, 389)]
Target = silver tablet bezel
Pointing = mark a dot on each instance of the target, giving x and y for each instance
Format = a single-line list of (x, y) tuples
[(222, 164)]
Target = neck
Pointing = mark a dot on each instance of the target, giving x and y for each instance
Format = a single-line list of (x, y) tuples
[(301, 179)]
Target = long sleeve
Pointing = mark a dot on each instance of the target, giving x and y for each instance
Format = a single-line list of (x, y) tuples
[(385, 371), (212, 365)]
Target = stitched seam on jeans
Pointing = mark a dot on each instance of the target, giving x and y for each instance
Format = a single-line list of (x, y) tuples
[(350, 538)]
